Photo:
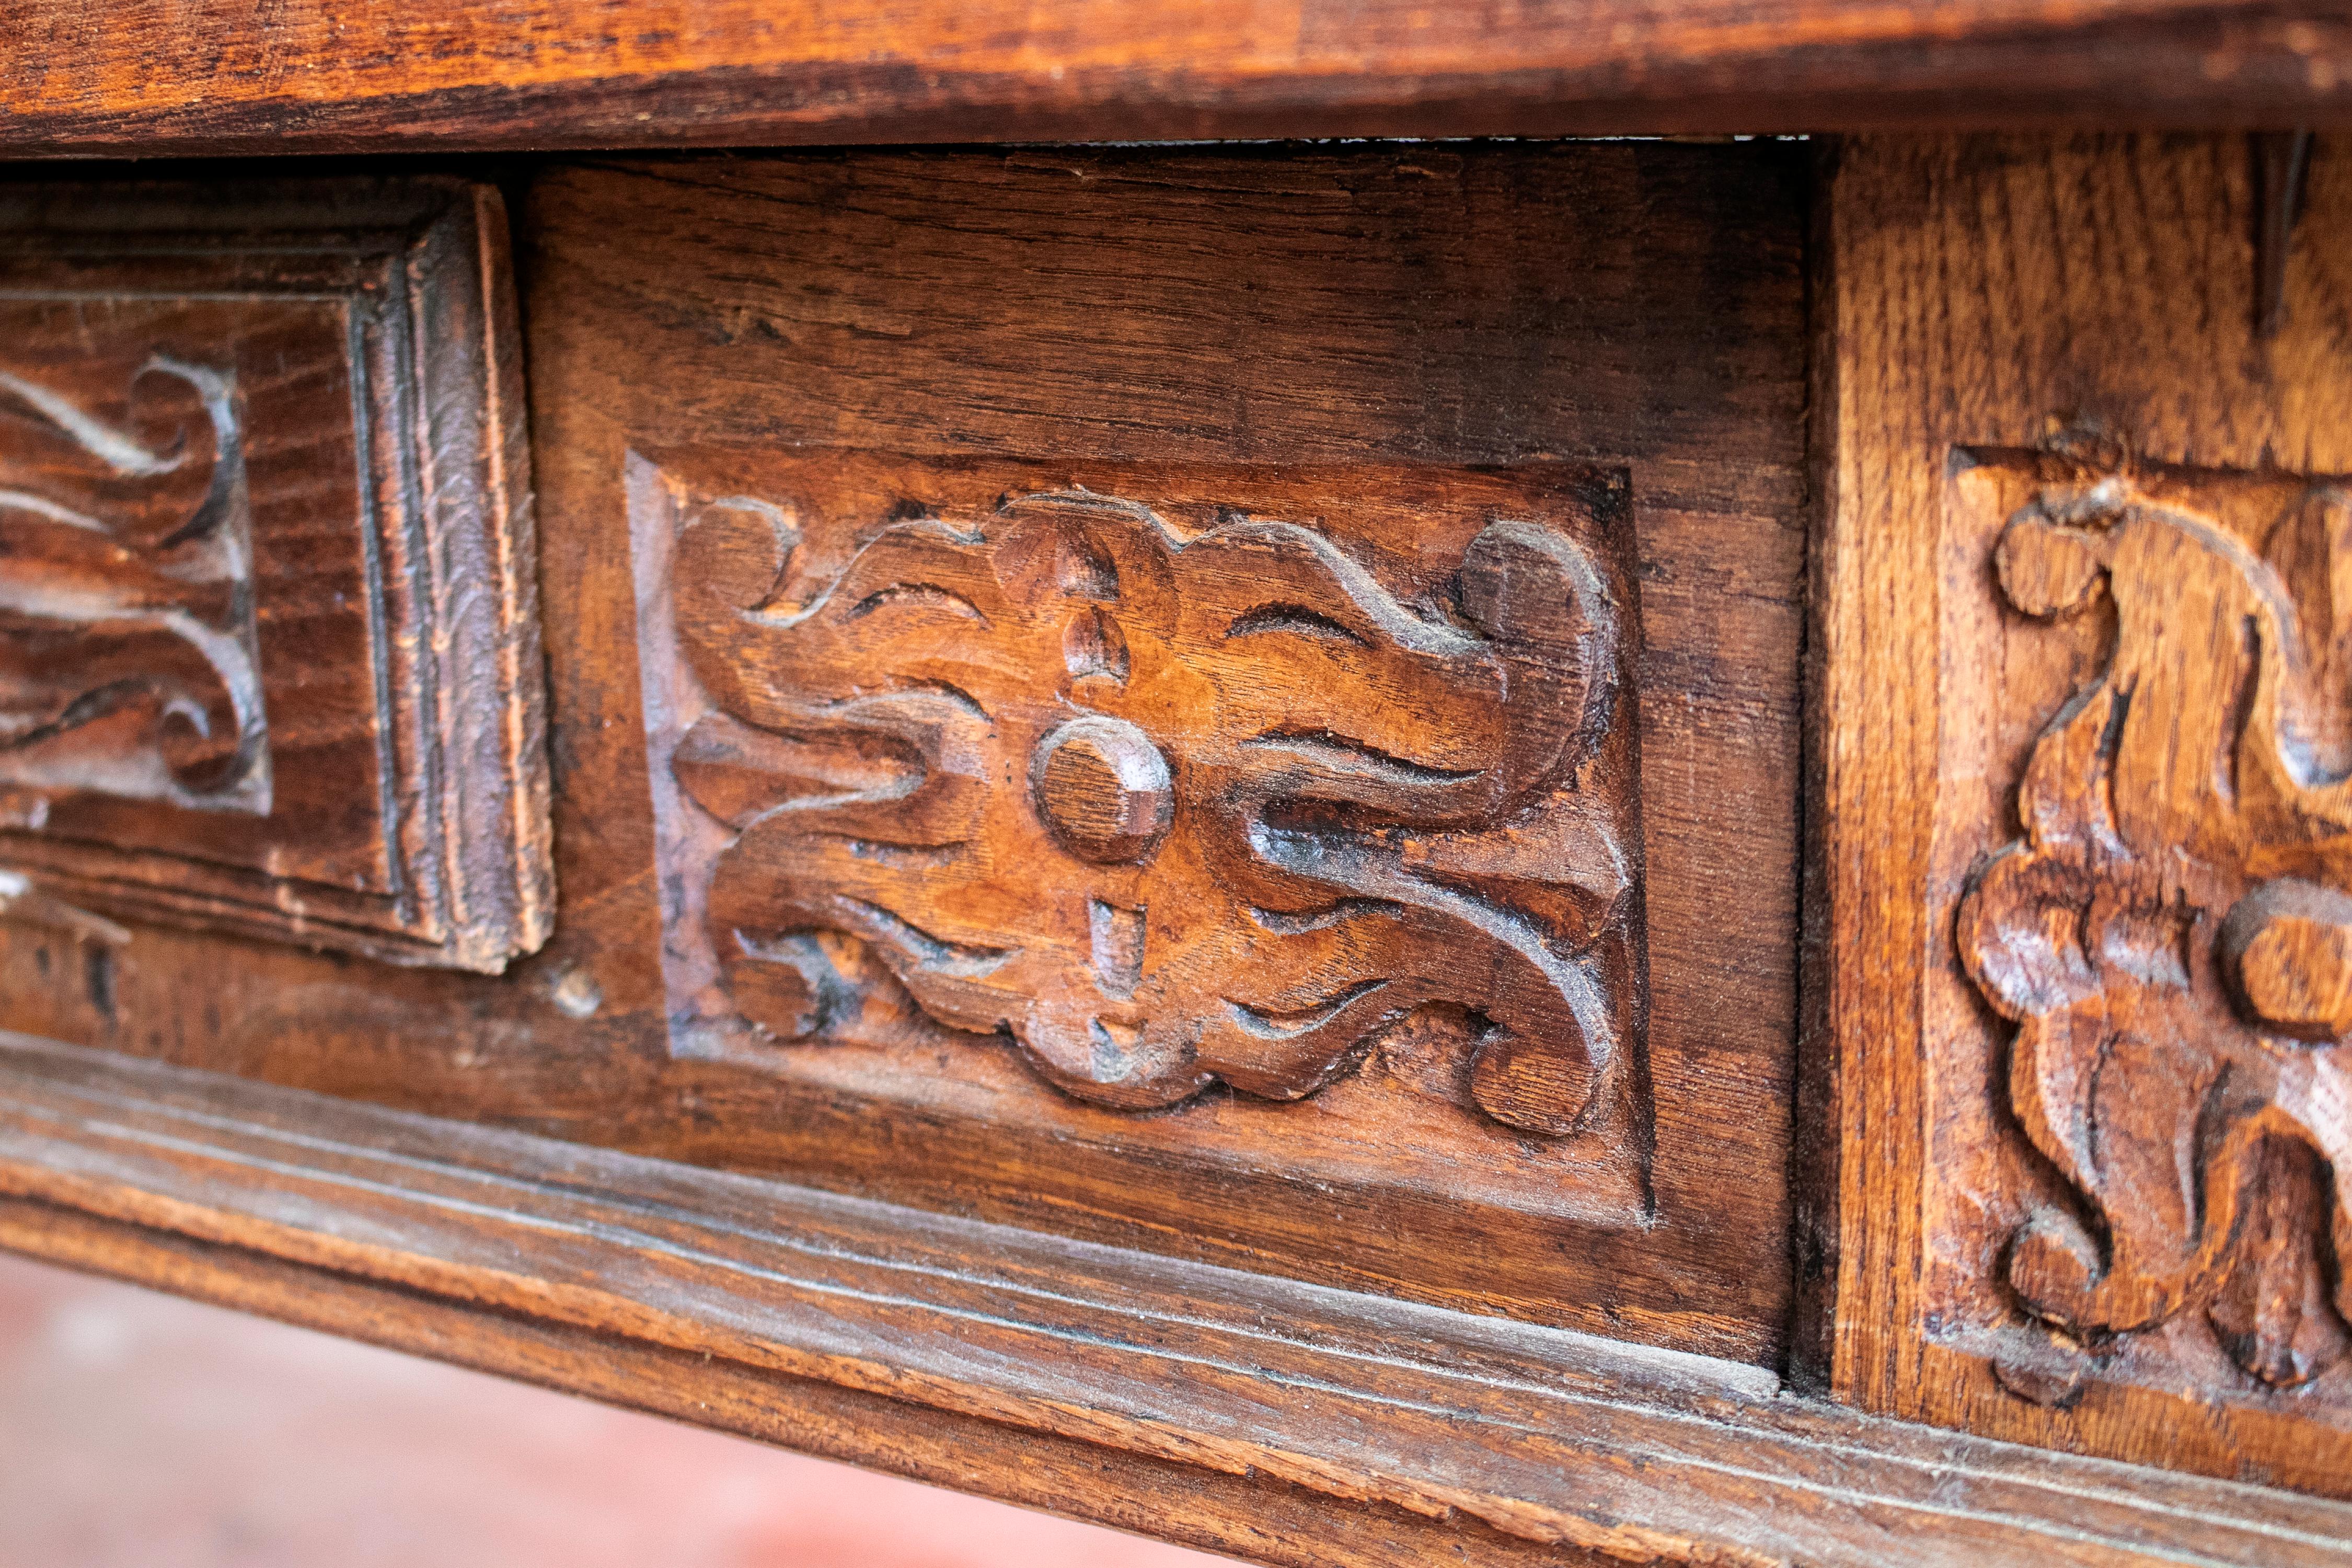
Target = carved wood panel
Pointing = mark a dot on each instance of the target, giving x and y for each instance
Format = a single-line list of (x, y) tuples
[(2167, 935), (1170, 777), (269, 653), (130, 663), (911, 340), (2083, 737)]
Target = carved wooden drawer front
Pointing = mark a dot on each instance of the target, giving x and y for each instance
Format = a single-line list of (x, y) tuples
[(1166, 741), (269, 643)]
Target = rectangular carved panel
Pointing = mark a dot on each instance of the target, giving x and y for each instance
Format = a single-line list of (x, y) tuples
[(2166, 929), (2088, 847), (268, 648), (1166, 778)]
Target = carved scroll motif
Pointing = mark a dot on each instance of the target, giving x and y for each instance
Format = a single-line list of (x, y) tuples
[(127, 642), (2172, 936), (1172, 810)]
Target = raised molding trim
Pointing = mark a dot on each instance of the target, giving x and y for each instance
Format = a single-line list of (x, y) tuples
[(1247, 1407)]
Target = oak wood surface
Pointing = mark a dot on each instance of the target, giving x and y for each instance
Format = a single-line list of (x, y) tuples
[(228, 77), (1283, 1421), (269, 654), (1626, 307), (2080, 725)]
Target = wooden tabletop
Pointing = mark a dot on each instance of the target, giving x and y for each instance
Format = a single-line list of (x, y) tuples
[(188, 77)]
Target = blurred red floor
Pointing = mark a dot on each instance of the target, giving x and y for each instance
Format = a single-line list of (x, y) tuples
[(140, 1431)]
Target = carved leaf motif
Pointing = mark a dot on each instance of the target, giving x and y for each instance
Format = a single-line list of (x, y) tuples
[(2272, 1310), (2172, 937), (127, 651), (1170, 810)]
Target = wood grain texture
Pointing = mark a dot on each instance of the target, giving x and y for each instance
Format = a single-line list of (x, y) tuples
[(220, 75), (1626, 308), (269, 642), (1283, 1421), (2083, 717)]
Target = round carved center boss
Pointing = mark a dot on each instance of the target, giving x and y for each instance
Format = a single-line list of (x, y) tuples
[(1102, 789)]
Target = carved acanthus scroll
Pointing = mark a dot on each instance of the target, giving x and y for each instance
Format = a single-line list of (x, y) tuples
[(1172, 806), (2172, 936), (128, 662)]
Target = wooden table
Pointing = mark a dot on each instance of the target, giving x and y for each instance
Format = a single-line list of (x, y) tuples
[(1177, 771)]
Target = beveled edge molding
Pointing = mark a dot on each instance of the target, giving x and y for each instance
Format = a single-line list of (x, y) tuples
[(467, 699), (1287, 1422)]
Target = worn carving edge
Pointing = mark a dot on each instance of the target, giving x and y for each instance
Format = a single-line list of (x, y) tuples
[(136, 659), (2172, 935), (742, 1303), (87, 701), (1167, 809)]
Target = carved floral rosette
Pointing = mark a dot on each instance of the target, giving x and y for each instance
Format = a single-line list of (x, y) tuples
[(2172, 935), (1171, 808)]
